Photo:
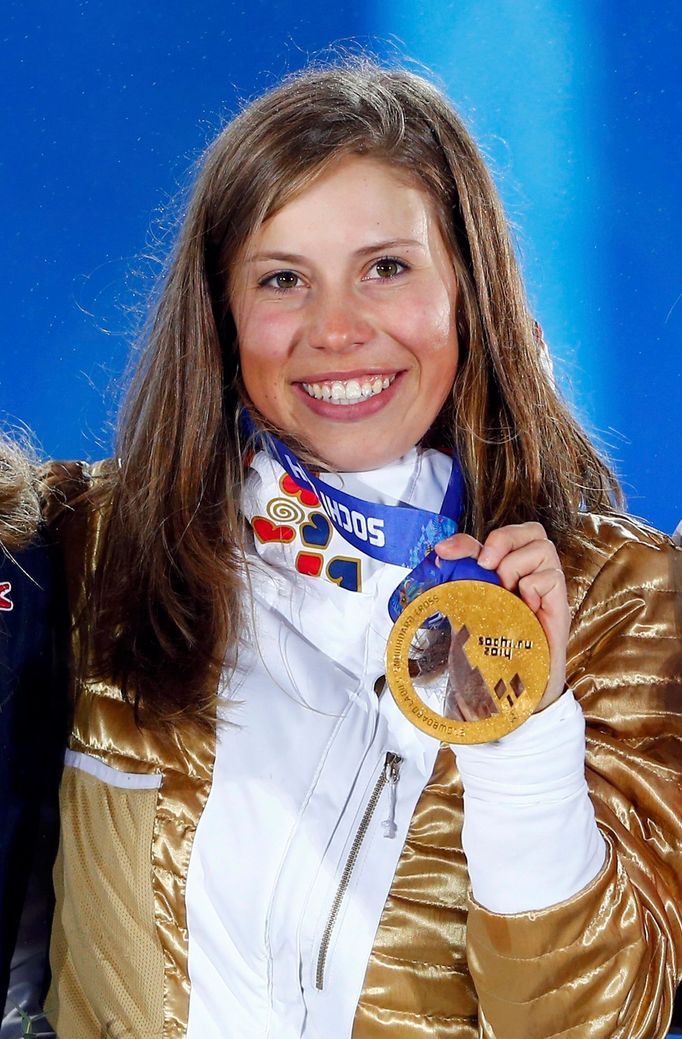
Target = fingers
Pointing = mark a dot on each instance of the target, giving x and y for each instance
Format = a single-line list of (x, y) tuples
[(527, 563), (530, 566), (458, 546), (541, 587), (514, 552), (497, 545), (531, 558), (504, 540)]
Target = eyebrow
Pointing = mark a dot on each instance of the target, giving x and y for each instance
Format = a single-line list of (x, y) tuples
[(365, 250)]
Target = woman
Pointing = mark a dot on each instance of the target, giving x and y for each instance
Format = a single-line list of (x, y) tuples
[(344, 279)]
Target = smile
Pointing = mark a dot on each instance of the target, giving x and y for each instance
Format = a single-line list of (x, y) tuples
[(349, 392)]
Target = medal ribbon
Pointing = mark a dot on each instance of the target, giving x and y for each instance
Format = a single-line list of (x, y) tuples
[(399, 534)]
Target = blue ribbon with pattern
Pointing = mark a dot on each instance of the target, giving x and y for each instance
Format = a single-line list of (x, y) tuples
[(399, 534)]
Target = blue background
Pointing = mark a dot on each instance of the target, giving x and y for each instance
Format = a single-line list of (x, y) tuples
[(577, 106)]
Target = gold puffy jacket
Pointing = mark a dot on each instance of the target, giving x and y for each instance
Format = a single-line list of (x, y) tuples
[(603, 964)]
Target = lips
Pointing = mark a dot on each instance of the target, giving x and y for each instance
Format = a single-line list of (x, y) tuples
[(349, 391), (344, 408)]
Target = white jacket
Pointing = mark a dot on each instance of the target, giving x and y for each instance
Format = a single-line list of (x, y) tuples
[(317, 776)]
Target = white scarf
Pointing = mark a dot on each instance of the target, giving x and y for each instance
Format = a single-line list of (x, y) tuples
[(326, 589)]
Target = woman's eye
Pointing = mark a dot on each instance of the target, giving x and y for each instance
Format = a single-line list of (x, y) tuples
[(387, 268), (281, 280)]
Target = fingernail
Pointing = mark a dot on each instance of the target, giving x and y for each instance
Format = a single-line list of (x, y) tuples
[(485, 559)]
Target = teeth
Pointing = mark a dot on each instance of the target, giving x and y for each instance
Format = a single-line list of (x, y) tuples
[(349, 392)]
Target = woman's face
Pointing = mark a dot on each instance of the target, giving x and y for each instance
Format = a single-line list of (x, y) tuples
[(344, 303)]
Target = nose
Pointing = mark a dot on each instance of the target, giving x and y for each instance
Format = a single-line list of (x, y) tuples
[(337, 322)]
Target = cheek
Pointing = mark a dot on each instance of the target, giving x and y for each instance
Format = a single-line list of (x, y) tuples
[(263, 335), (263, 385), (428, 318), (431, 333), (443, 319), (438, 353), (444, 327), (263, 351)]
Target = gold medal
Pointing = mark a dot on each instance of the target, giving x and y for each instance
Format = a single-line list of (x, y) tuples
[(477, 680)]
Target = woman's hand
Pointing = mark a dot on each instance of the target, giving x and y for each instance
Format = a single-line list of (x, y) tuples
[(526, 563)]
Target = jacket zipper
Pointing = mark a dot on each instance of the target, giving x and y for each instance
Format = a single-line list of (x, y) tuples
[(389, 777)]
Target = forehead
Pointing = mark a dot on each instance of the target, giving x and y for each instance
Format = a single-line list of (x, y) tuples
[(356, 195)]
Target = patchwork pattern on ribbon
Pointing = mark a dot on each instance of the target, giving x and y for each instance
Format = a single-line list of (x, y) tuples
[(295, 515)]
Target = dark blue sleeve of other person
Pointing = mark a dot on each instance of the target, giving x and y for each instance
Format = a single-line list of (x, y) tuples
[(32, 733)]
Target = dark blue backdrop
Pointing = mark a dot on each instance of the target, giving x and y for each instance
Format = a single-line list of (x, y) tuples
[(577, 106)]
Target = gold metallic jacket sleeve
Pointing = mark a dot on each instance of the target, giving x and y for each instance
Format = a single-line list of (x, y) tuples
[(606, 963)]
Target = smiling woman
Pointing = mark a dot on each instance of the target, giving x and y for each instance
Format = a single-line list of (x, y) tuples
[(341, 402), (352, 347)]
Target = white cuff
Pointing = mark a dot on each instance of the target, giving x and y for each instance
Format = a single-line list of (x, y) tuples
[(530, 836)]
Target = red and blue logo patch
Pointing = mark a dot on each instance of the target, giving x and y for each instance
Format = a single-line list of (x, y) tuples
[(288, 518), (5, 601)]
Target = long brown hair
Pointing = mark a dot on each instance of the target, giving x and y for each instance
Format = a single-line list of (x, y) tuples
[(168, 588)]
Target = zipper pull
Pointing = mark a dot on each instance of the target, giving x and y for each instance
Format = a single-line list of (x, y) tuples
[(391, 776)]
